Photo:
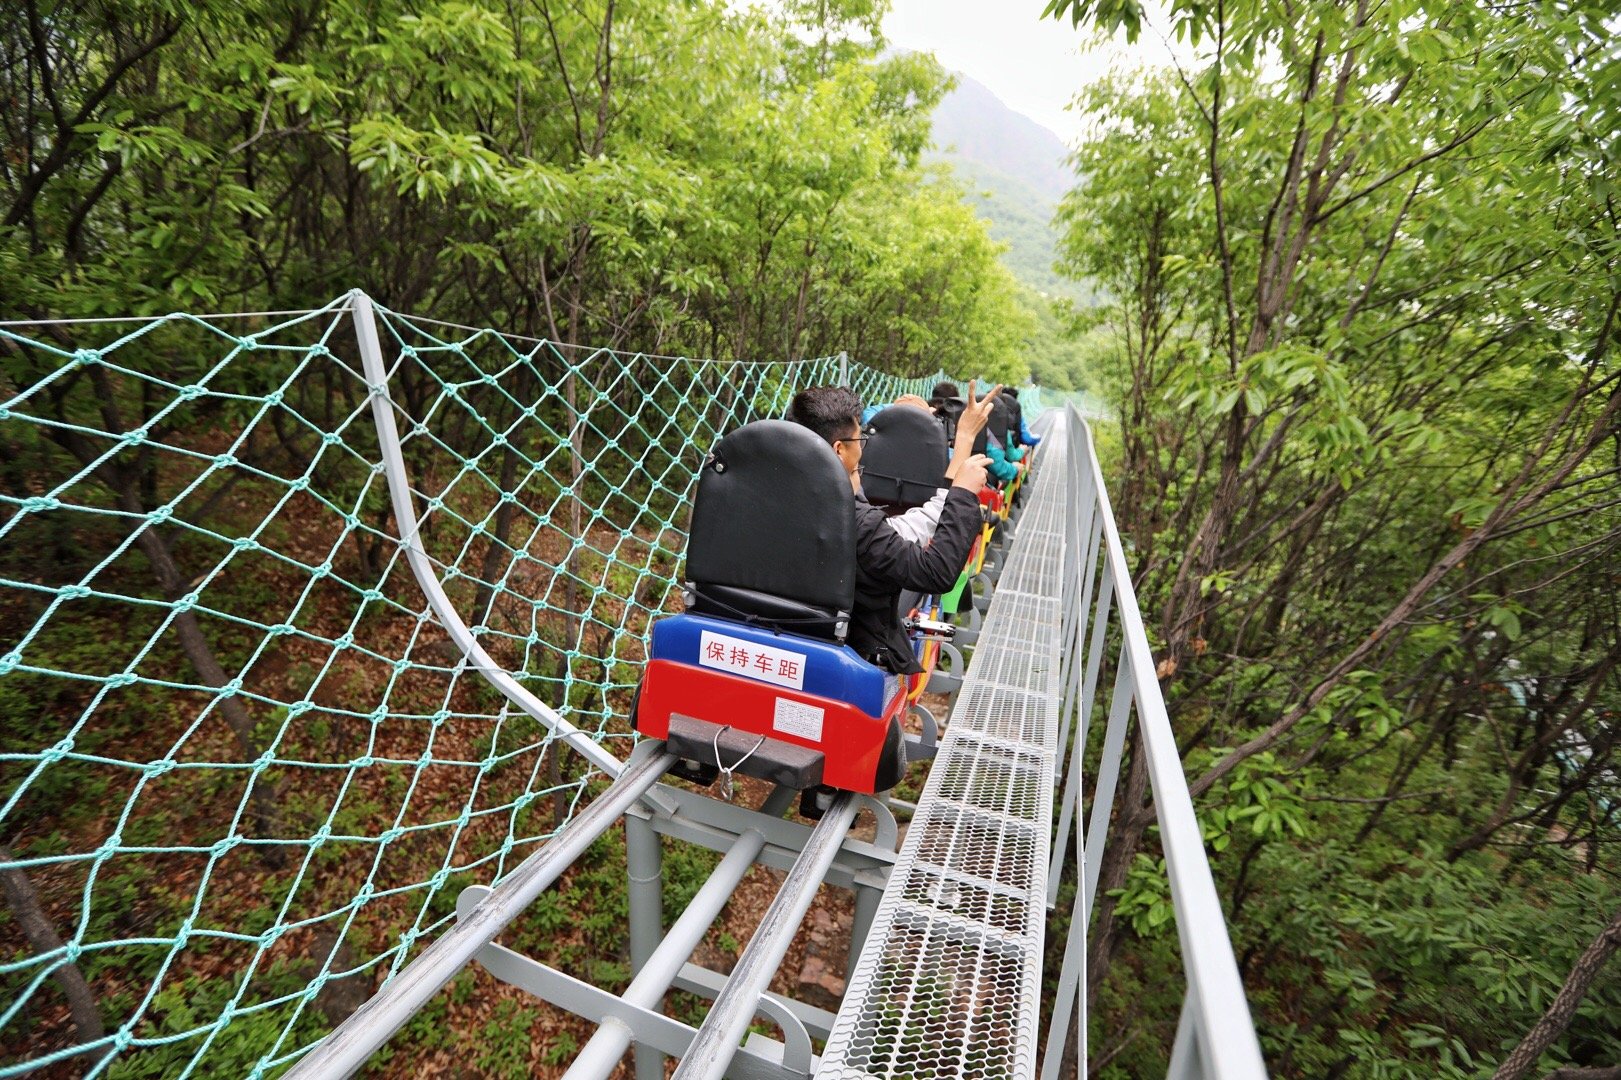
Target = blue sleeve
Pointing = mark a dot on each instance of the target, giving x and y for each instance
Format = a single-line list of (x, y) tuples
[(1024, 433), (999, 468), (1015, 453)]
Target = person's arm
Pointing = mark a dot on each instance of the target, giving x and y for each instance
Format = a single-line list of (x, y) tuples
[(1014, 453), (930, 568), (972, 421), (1030, 440), (918, 523), (999, 468)]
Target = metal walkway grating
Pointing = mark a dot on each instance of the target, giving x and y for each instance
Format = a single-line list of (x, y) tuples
[(949, 984)]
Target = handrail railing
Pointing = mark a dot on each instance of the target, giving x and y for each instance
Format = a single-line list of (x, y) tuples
[(1215, 1036)]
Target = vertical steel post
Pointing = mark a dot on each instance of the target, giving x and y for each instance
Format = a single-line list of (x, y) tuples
[(644, 858), (1185, 1060)]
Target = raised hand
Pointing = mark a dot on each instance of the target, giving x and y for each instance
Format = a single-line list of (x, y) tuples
[(973, 475), (977, 414)]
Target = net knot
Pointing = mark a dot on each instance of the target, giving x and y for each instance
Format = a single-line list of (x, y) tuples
[(37, 503), (388, 836), (273, 935), (192, 391), (275, 397), (87, 356), (232, 688), (439, 878), (123, 678), (74, 592), (244, 543), (161, 767), (224, 846), (280, 629), (58, 752), (226, 460), (344, 641), (72, 951), (186, 603)]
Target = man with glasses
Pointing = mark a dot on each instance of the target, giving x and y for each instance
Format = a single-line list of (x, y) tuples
[(886, 562)]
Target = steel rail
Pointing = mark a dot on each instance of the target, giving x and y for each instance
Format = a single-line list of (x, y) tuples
[(357, 1038), (716, 1043)]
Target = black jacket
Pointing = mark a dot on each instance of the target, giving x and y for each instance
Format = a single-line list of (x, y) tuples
[(887, 564)]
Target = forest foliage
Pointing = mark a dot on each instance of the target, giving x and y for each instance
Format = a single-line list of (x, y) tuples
[(205, 618), (626, 173), (1361, 269)]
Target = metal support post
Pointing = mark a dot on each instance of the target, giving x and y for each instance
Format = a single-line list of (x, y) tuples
[(1185, 1062), (644, 858)]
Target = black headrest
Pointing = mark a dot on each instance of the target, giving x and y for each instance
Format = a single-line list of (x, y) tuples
[(998, 423), (905, 459), (774, 514)]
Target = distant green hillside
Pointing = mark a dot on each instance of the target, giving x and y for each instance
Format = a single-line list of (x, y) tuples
[(1016, 171), (1022, 219)]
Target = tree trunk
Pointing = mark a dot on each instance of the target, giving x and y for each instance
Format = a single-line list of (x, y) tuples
[(1559, 1014), (43, 939)]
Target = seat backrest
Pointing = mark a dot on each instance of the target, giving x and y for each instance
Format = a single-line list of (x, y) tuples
[(773, 537), (948, 411), (998, 423), (1015, 419), (904, 462)]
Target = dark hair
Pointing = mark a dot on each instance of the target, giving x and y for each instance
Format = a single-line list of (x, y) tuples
[(943, 390), (1011, 391), (830, 411)]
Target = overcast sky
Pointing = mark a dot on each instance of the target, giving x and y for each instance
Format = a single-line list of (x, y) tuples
[(1034, 65)]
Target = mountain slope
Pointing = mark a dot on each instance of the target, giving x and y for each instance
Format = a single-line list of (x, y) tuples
[(1015, 172)]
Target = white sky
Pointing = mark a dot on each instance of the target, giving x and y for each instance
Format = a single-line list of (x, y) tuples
[(1034, 65)]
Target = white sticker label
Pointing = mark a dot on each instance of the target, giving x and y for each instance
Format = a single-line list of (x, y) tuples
[(797, 718), (748, 658)]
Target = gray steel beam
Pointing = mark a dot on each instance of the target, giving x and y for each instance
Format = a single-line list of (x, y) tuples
[(347, 1048), (717, 1040)]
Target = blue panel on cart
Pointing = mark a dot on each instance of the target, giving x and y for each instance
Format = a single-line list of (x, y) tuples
[(781, 659)]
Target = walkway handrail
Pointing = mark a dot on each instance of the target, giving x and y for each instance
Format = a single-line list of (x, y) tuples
[(1216, 1035)]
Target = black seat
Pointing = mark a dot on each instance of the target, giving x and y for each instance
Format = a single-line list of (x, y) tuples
[(948, 410), (773, 538), (1000, 417), (1015, 418), (905, 459)]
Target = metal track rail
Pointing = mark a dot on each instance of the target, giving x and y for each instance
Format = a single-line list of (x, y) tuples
[(949, 984), (716, 1043), (355, 1040)]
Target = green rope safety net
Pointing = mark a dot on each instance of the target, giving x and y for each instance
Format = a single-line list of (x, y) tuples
[(245, 765)]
